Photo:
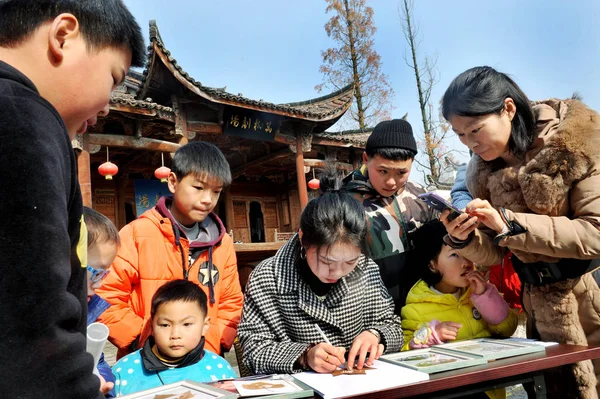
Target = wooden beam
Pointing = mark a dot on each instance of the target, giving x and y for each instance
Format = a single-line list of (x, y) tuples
[(319, 163), (285, 139), (130, 109), (283, 153), (151, 113), (301, 177), (204, 127), (83, 171), (142, 143)]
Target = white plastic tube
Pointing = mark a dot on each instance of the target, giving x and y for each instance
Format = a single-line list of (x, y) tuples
[(97, 334)]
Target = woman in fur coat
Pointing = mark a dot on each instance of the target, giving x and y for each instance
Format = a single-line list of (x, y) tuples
[(535, 180)]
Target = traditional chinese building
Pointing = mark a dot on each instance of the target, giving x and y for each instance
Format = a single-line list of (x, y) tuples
[(272, 148)]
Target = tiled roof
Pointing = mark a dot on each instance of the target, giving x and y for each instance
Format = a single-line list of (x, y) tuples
[(121, 96), (319, 109), (352, 136)]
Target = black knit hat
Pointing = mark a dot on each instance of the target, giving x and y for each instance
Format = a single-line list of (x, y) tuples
[(396, 133)]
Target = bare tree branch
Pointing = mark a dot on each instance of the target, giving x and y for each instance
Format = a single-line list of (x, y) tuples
[(434, 128), (355, 60)]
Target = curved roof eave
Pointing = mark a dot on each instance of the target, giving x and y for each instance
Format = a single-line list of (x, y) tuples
[(322, 109)]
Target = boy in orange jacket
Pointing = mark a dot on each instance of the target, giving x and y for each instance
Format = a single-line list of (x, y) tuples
[(180, 238)]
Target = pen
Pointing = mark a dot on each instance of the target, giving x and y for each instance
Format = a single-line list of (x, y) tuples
[(342, 366), (322, 334)]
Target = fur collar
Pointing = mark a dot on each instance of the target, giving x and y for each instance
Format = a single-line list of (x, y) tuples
[(566, 150)]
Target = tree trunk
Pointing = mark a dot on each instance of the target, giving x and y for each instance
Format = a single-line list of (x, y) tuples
[(426, 128), (357, 91)]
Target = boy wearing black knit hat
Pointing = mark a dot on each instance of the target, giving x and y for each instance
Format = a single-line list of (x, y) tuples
[(390, 201)]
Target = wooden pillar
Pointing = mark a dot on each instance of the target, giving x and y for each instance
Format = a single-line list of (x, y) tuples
[(228, 202), (302, 190), (121, 183), (181, 129), (83, 171), (355, 158)]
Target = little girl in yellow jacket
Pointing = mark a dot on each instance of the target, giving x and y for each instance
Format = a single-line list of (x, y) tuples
[(452, 301)]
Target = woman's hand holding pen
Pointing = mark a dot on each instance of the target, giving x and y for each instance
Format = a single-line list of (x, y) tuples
[(325, 358), (365, 343)]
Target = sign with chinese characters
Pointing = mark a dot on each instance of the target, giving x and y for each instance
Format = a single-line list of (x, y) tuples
[(147, 194), (104, 202), (250, 124)]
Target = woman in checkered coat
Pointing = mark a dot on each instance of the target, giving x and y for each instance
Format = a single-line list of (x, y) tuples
[(319, 278)]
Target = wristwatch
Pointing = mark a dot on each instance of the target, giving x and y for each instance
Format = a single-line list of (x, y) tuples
[(514, 228), (375, 333), (421, 336)]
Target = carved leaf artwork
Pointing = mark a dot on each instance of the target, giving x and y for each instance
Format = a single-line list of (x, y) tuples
[(263, 385), (355, 371), (185, 395)]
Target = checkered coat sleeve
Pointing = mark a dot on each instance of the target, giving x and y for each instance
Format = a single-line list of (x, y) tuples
[(280, 312)]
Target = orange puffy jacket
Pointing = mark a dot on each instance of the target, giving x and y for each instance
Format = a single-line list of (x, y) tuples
[(153, 251)]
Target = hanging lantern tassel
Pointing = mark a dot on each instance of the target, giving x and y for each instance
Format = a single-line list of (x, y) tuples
[(314, 183), (163, 172), (108, 169)]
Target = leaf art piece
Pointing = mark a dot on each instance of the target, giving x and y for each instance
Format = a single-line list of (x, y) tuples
[(354, 371), (184, 395), (263, 385)]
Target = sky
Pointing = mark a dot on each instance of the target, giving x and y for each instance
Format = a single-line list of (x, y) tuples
[(271, 49)]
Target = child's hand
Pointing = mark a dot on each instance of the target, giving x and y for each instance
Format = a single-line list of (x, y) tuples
[(476, 281), (324, 358), (447, 330), (105, 387)]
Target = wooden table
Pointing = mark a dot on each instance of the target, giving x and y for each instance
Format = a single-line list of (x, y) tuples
[(248, 254), (496, 374), (256, 251)]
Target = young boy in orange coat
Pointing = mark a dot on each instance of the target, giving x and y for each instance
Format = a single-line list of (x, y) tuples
[(180, 238)]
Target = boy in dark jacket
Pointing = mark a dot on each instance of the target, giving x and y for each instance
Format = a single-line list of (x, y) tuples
[(390, 201), (59, 62)]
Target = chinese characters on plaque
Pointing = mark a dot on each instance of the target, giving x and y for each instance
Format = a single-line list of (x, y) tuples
[(250, 124), (147, 194)]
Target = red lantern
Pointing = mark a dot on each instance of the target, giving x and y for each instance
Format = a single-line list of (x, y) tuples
[(163, 172), (314, 184), (108, 169)]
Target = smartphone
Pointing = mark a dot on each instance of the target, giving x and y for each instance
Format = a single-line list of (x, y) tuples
[(440, 204)]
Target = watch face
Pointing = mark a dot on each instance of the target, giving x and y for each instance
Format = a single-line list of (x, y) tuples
[(421, 335), (375, 333)]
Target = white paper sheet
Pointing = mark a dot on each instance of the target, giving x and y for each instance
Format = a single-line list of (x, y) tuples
[(385, 376)]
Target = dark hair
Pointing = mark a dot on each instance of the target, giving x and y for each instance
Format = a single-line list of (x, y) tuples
[(179, 290), (427, 242), (393, 154), (99, 227), (481, 91), (334, 216), (103, 23), (202, 159)]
